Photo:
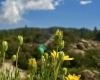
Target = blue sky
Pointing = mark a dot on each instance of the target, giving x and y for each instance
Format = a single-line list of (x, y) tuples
[(65, 13)]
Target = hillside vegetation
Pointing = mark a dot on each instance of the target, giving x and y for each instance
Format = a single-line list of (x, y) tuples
[(82, 44)]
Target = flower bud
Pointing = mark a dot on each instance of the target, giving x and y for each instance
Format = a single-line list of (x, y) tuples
[(43, 59), (20, 38), (48, 65), (5, 45), (59, 34), (64, 71), (46, 55), (28, 76), (61, 53), (13, 58), (62, 44)]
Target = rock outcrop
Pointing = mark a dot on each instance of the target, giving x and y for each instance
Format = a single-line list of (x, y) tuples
[(83, 45), (89, 75)]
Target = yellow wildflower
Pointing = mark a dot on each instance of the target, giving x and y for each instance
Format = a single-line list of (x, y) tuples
[(32, 62), (73, 77), (54, 54), (67, 58), (59, 33)]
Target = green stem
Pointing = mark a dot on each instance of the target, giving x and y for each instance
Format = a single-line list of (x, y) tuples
[(56, 68), (3, 57), (17, 54), (56, 71), (63, 77)]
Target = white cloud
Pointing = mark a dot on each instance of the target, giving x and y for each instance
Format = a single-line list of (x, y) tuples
[(85, 2), (13, 10)]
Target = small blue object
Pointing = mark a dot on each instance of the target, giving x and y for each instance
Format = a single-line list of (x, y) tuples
[(42, 48)]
